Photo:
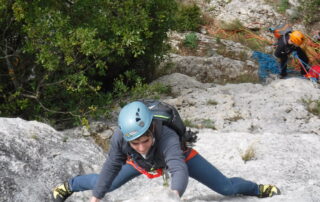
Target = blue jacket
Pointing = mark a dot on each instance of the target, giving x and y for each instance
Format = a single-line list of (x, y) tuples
[(165, 153)]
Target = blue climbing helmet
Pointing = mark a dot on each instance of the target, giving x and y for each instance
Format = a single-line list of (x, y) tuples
[(134, 120)]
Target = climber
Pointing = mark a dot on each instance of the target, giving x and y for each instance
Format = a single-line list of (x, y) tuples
[(144, 145), (286, 44)]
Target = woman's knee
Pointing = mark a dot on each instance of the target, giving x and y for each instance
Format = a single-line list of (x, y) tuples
[(83, 182), (227, 189)]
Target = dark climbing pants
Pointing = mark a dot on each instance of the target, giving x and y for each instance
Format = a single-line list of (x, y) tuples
[(199, 169), (302, 56)]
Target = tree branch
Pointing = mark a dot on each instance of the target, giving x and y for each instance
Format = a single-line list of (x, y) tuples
[(11, 71)]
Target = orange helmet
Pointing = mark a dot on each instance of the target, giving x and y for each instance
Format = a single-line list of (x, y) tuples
[(296, 37)]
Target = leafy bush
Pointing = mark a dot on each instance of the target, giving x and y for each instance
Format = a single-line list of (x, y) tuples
[(313, 106), (248, 154), (123, 90), (207, 123), (283, 6), (60, 59), (238, 33), (191, 41), (310, 10), (212, 102), (188, 18), (235, 25)]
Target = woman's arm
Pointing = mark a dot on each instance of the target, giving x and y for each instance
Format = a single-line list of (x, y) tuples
[(111, 166), (174, 160), (94, 199)]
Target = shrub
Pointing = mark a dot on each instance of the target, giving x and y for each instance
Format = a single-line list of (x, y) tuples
[(309, 10), (212, 102), (189, 123), (313, 106), (283, 6), (238, 33), (208, 123), (248, 154), (61, 59), (188, 18), (191, 41)]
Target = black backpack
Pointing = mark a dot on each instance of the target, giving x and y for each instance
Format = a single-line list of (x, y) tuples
[(170, 117), (281, 30)]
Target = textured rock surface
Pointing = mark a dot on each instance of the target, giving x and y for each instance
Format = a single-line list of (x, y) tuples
[(35, 158), (271, 119), (277, 107)]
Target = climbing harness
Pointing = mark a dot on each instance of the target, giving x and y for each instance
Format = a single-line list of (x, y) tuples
[(154, 173)]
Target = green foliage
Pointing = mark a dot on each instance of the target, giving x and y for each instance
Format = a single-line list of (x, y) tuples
[(139, 89), (309, 11), (205, 123), (189, 123), (65, 139), (212, 102), (235, 25), (60, 59), (218, 40), (235, 118), (240, 34), (191, 41), (283, 6), (208, 123), (248, 154), (35, 137), (313, 106), (188, 18)]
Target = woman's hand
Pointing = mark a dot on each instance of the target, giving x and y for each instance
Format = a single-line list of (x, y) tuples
[(176, 192), (94, 199)]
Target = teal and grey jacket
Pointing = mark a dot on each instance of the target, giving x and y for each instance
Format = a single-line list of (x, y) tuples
[(165, 153)]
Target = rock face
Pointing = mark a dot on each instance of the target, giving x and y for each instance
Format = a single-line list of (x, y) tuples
[(216, 60), (252, 14), (277, 107), (256, 15), (270, 118), (214, 68), (35, 158)]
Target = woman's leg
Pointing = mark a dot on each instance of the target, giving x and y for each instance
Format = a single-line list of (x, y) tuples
[(304, 60), (87, 182), (283, 65), (201, 170), (127, 173)]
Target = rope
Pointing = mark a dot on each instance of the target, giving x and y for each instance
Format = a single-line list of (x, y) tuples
[(267, 64), (302, 63)]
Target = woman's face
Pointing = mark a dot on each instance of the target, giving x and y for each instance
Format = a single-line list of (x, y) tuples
[(142, 144), (290, 42)]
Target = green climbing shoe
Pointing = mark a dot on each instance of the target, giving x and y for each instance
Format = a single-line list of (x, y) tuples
[(268, 190), (61, 192)]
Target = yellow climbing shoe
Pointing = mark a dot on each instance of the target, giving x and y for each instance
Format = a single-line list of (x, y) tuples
[(61, 192), (268, 190)]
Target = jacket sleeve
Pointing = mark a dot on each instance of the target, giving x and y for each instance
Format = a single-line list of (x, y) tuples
[(111, 167), (174, 159), (280, 50), (283, 47)]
